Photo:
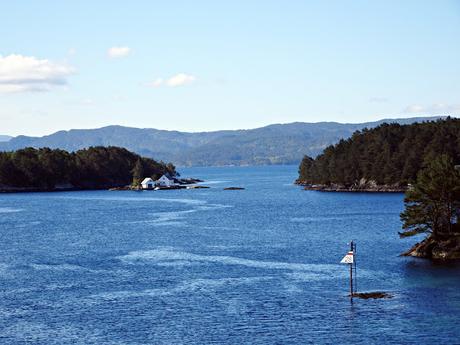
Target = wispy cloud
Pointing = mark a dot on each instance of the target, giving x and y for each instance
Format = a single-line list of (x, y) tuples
[(157, 82), (176, 80), (378, 99), (438, 108), (20, 73), (118, 52)]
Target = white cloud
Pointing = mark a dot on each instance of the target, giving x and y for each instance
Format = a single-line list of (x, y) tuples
[(118, 52), (180, 79), (435, 109), (20, 73), (176, 80)]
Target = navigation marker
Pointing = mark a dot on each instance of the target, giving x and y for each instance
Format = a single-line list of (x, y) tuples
[(350, 260), (347, 259)]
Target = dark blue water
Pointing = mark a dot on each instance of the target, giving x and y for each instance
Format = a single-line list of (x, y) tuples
[(207, 266)]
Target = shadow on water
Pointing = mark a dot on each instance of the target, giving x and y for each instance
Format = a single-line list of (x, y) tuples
[(419, 265)]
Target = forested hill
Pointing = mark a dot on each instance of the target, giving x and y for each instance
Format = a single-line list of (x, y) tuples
[(92, 168), (274, 144), (390, 154)]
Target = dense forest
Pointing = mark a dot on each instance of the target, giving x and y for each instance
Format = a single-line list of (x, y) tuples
[(390, 154), (95, 167)]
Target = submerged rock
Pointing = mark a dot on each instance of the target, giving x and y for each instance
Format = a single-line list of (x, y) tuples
[(373, 295)]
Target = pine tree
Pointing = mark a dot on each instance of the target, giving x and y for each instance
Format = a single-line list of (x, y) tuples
[(138, 173), (433, 202), (305, 169)]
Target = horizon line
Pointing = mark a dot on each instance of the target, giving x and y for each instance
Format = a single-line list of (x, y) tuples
[(233, 129)]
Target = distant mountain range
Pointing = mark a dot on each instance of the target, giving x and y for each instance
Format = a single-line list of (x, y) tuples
[(273, 144), (5, 138)]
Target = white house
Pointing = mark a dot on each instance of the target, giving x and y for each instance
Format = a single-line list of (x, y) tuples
[(147, 183), (165, 181)]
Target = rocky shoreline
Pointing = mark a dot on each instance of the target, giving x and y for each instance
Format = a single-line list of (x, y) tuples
[(48, 190), (183, 183), (362, 186), (437, 248)]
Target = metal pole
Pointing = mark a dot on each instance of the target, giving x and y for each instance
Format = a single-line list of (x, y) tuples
[(351, 272), (354, 264)]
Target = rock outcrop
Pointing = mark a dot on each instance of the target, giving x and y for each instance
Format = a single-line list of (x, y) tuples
[(372, 295), (362, 185), (443, 248)]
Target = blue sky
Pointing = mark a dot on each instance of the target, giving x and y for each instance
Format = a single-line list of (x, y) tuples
[(208, 65)]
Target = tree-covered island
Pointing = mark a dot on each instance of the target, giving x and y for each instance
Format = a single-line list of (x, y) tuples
[(386, 158), (45, 169), (421, 159)]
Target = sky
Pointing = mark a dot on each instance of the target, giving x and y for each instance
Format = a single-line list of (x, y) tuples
[(209, 65)]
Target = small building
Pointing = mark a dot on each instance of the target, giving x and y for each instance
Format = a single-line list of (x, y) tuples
[(165, 181), (148, 183)]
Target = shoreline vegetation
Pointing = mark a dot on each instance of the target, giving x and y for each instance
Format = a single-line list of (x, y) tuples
[(94, 168), (361, 187)]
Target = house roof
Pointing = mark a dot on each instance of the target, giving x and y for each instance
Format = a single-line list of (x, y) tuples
[(146, 180)]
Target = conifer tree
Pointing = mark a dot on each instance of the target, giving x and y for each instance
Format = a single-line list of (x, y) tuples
[(138, 173), (433, 202)]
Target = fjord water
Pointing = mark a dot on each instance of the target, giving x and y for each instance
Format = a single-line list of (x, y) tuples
[(208, 266)]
